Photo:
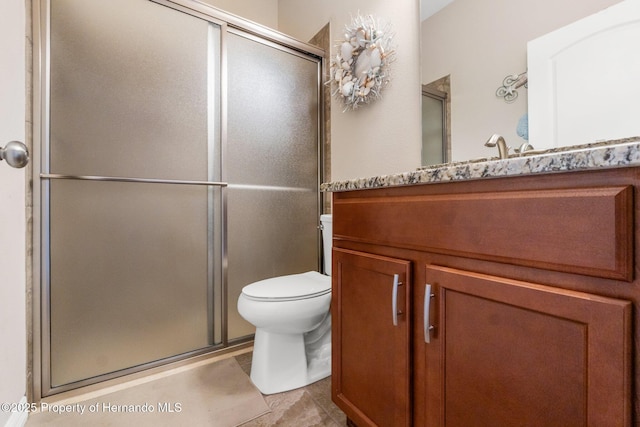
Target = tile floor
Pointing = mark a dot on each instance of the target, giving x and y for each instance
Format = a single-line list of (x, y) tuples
[(309, 406)]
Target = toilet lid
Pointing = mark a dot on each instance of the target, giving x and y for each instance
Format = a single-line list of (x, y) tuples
[(295, 286)]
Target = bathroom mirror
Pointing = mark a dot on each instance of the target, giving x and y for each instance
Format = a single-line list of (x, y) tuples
[(477, 44)]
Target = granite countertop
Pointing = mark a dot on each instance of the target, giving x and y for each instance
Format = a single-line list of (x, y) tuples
[(605, 154)]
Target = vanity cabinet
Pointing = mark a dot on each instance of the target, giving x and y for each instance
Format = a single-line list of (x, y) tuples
[(543, 356), (517, 306), (371, 362)]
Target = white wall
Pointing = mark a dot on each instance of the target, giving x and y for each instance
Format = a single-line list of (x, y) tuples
[(12, 207), (383, 137), (479, 43)]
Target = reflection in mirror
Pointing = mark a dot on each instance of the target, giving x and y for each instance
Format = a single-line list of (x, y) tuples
[(479, 42), (584, 79), (435, 122)]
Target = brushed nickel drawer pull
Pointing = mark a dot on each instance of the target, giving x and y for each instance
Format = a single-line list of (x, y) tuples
[(427, 305), (394, 299)]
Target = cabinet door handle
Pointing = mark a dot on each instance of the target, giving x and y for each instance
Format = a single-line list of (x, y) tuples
[(427, 305), (394, 298)]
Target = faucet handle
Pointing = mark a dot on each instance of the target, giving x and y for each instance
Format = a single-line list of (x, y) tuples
[(524, 148)]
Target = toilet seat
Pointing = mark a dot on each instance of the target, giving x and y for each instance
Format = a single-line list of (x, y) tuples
[(289, 288)]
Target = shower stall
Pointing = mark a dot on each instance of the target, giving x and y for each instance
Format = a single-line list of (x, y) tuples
[(177, 159)]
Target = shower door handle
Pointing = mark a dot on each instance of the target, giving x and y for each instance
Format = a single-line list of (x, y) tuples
[(125, 179)]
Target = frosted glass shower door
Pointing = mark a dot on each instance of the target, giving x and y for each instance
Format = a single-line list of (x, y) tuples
[(132, 268), (271, 166)]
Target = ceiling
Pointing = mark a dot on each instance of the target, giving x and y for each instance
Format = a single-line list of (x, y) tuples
[(429, 7)]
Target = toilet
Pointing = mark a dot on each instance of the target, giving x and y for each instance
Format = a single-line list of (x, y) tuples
[(292, 345)]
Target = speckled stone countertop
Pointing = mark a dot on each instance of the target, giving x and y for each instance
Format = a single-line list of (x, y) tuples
[(607, 154)]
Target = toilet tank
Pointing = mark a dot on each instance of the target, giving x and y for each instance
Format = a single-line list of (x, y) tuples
[(327, 243)]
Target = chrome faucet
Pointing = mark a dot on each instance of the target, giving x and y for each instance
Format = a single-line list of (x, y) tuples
[(498, 140)]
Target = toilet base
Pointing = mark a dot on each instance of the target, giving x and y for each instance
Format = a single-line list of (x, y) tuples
[(283, 362)]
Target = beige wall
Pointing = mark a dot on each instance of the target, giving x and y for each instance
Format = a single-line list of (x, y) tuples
[(479, 43), (383, 137), (12, 207)]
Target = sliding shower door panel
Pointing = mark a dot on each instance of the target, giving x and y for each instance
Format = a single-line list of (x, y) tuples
[(128, 275), (271, 165), (127, 97), (144, 252), (132, 275)]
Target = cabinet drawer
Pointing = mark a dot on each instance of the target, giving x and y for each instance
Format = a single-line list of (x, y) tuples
[(578, 230)]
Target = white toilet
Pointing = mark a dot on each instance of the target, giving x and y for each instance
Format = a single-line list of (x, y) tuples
[(292, 346)]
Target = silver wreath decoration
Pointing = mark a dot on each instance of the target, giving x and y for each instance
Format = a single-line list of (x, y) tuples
[(360, 69)]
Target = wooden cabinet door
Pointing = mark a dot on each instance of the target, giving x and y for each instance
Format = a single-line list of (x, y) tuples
[(370, 338), (517, 353)]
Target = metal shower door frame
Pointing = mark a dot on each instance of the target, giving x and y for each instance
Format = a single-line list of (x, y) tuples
[(39, 382)]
